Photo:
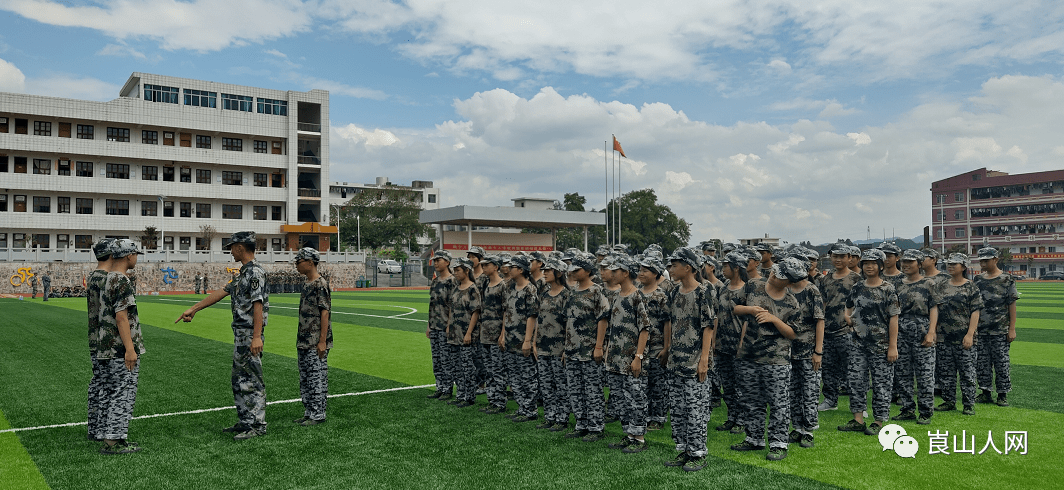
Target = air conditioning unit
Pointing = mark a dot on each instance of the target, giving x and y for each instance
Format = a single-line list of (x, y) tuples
[(1008, 238)]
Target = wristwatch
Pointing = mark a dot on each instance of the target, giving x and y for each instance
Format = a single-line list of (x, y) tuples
[(639, 356)]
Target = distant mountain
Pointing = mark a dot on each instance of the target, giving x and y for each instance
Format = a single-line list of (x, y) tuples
[(903, 243)]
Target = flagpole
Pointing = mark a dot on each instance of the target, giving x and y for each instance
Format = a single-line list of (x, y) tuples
[(615, 195), (619, 172), (606, 168)]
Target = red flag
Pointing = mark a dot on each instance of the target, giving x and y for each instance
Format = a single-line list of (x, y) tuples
[(617, 147)]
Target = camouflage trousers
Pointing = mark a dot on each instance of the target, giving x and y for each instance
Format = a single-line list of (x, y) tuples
[(495, 375), (993, 362), (915, 361), (96, 401), (954, 359), (613, 399), (442, 363), (521, 374), (554, 388), (465, 373), (724, 365), (657, 391), (805, 393), (690, 413), (47, 292), (835, 364), (765, 388), (584, 379), (118, 393), (864, 362), (249, 386), (313, 382), (715, 386), (631, 402), (480, 357)]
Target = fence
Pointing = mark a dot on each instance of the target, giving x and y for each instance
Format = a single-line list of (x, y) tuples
[(193, 256)]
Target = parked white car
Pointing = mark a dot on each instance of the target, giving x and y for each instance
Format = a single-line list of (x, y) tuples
[(389, 267)]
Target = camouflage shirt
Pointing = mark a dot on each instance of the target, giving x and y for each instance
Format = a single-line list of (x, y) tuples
[(657, 304), (314, 299), (894, 280), (691, 314), (835, 292), (628, 319), (872, 309), (582, 314), (812, 311), (955, 311), (729, 325), (521, 304), (464, 303), (94, 285), (668, 286), (763, 343), (482, 282), (117, 295), (998, 293), (492, 305), (440, 292), (541, 285), (916, 298), (550, 332), (244, 290)]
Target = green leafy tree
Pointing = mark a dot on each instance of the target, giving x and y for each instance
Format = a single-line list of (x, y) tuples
[(150, 239), (388, 216), (645, 221)]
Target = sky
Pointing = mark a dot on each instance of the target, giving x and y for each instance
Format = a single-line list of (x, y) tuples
[(805, 120)]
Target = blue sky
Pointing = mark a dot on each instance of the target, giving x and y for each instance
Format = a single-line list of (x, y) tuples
[(807, 120)]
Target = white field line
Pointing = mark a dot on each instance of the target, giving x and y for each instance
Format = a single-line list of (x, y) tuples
[(396, 317), (216, 409)]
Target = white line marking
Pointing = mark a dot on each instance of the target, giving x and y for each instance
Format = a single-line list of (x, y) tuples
[(216, 409), (399, 317)]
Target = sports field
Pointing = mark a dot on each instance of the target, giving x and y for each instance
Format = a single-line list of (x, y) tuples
[(400, 439)]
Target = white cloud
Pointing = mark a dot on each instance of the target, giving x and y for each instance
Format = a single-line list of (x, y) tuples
[(780, 66), (338, 88), (55, 85), (117, 50), (377, 137), (11, 78), (859, 138)]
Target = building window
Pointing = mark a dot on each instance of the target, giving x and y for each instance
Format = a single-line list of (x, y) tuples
[(259, 213), (62, 241), (261, 146), (168, 209), (202, 244), (18, 240), (41, 240), (3, 125), (63, 168), (85, 131), (117, 171), (203, 176), (232, 102), (203, 142), (20, 165), (1052, 249), (62, 205), (64, 130), (272, 106), (185, 242), (83, 206), (203, 210), (22, 126), (186, 174), (278, 180), (168, 138), (149, 208), (276, 213), (232, 178), (3, 240), (118, 134), (941, 198), (42, 128), (232, 211), (432, 198), (201, 98), (168, 174), (958, 214), (186, 140), (84, 169), (42, 204), (168, 243), (149, 172), (118, 207), (160, 93), (42, 167), (3, 202), (276, 242), (260, 180), (233, 144), (958, 197), (958, 233), (1023, 250), (186, 210), (3, 164), (149, 137)]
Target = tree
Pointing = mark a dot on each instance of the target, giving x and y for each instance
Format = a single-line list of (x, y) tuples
[(388, 216), (1005, 259), (644, 221), (207, 234), (150, 238), (574, 237)]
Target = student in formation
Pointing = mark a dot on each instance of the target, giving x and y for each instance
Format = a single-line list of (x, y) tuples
[(611, 287), (928, 265), (855, 259), (314, 338), (462, 329), (690, 347), (94, 286), (476, 256), (441, 290), (550, 345), (710, 265), (765, 262), (835, 289), (919, 299), (806, 354), (872, 311), (997, 327), (519, 325), (626, 356), (958, 320), (728, 332), (893, 274), (585, 330), (657, 305), (536, 259), (493, 304), (764, 360)]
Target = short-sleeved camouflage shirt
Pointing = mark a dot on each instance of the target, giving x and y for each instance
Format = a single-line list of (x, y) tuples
[(812, 311), (894, 280), (998, 293), (244, 290), (657, 304), (691, 314), (628, 319), (582, 314), (668, 286), (763, 343), (872, 309), (117, 295), (541, 285), (464, 303), (550, 332), (315, 298), (482, 282), (440, 293), (730, 325), (955, 311), (94, 285), (521, 304), (492, 305), (916, 298), (835, 292)]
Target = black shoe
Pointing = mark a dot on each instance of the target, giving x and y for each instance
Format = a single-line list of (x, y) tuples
[(874, 428), (636, 446), (464, 403), (794, 436), (524, 418), (776, 454), (726, 426), (906, 415), (311, 422), (655, 425), (807, 440), (238, 428), (577, 433), (714, 404), (621, 444), (546, 424), (1002, 401), (559, 426), (454, 402), (250, 433), (494, 410), (984, 397), (445, 396), (969, 410), (593, 436), (680, 460), (924, 419), (120, 447), (738, 429), (946, 407), (746, 446), (695, 463), (852, 426), (297, 421), (435, 394)]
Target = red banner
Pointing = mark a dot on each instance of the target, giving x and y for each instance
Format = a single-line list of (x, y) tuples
[(501, 248), (1038, 256)]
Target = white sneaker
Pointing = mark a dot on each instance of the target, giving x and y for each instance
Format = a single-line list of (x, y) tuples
[(826, 406)]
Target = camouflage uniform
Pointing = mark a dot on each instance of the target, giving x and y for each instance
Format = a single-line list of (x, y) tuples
[(657, 305), (583, 375), (440, 294), (249, 386), (873, 307), (764, 368), (998, 293), (692, 316), (954, 315), (46, 284), (521, 304), (914, 360), (117, 386), (612, 409), (33, 286), (313, 370), (493, 302), (727, 343), (939, 280), (805, 382), (628, 319), (464, 303), (836, 332), (95, 285), (550, 345)]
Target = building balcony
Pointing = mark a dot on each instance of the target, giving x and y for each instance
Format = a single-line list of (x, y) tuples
[(310, 193), (308, 160), (308, 127)]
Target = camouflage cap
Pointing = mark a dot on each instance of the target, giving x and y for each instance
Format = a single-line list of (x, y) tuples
[(912, 254), (607, 261), (442, 254), (791, 269), (710, 261), (462, 262), (537, 255), (930, 252), (241, 237), (603, 250), (124, 247), (736, 260), (750, 252), (855, 250), (763, 247), (708, 245), (890, 248), (103, 248), (491, 259), (555, 254), (652, 264), (582, 263), (504, 259), (656, 254), (572, 251), (652, 246), (987, 253), (811, 254), (727, 248), (686, 256), (620, 247), (475, 250), (553, 264), (873, 254), (958, 258), (839, 248), (520, 261), (306, 253)]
